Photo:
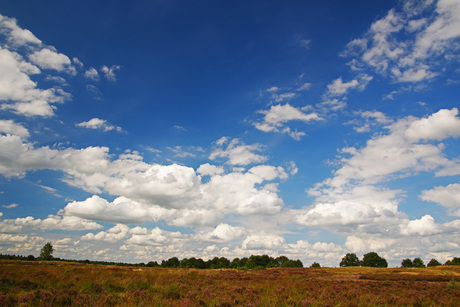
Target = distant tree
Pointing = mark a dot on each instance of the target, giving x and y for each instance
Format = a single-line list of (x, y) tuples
[(170, 263), (455, 261), (372, 259), (47, 252), (31, 257), (250, 264), (433, 262), (418, 263), (242, 262), (234, 263), (315, 265), (152, 264), (281, 259), (407, 263), (350, 259)]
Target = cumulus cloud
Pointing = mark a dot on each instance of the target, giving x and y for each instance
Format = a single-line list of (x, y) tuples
[(418, 55), (277, 116), (446, 196), (92, 74), (423, 227), (50, 59), (109, 72), (21, 93), (10, 127), (99, 124), (237, 152), (263, 242), (50, 223), (340, 88), (16, 35), (355, 200), (221, 234), (438, 126)]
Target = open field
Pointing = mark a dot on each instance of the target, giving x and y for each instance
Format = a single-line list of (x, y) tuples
[(25, 283)]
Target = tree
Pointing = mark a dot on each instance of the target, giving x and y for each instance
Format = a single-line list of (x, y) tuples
[(433, 262), (350, 259), (373, 260), (407, 263), (418, 263), (315, 265), (47, 252), (455, 261)]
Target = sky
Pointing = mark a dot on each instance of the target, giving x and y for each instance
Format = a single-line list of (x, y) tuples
[(136, 131)]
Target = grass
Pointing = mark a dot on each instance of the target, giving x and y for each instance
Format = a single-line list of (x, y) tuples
[(25, 283)]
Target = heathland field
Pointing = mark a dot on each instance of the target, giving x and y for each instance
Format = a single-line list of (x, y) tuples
[(24, 283)]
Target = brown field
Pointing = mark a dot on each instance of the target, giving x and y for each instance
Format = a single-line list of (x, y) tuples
[(25, 283)]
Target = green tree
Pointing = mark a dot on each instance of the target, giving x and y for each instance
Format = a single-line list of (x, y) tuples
[(418, 263), (455, 261), (433, 262), (407, 263), (373, 260), (47, 252), (315, 265), (350, 259)]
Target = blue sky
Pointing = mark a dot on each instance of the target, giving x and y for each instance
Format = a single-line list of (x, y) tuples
[(145, 130)]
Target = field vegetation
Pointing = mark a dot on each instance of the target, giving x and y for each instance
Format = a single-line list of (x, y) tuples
[(51, 283)]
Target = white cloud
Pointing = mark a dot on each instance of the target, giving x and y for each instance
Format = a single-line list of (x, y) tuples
[(20, 92), (52, 222), (446, 196), (263, 242), (355, 199), (278, 115), (49, 59), (223, 233), (210, 170), (339, 88), (92, 74), (17, 157), (438, 126), (237, 152), (109, 72), (429, 41), (16, 35), (114, 234), (99, 124), (425, 226), (10, 127), (368, 243)]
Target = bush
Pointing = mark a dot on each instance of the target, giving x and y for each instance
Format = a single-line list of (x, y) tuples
[(315, 265)]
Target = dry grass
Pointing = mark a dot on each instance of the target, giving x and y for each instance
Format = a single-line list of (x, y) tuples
[(68, 284)]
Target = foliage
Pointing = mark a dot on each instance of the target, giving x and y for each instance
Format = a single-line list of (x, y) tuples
[(433, 262), (47, 252), (350, 259), (315, 265), (418, 263), (373, 260), (407, 263), (455, 261), (50, 283)]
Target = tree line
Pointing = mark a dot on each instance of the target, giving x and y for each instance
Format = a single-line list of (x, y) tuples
[(372, 259), (253, 262)]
